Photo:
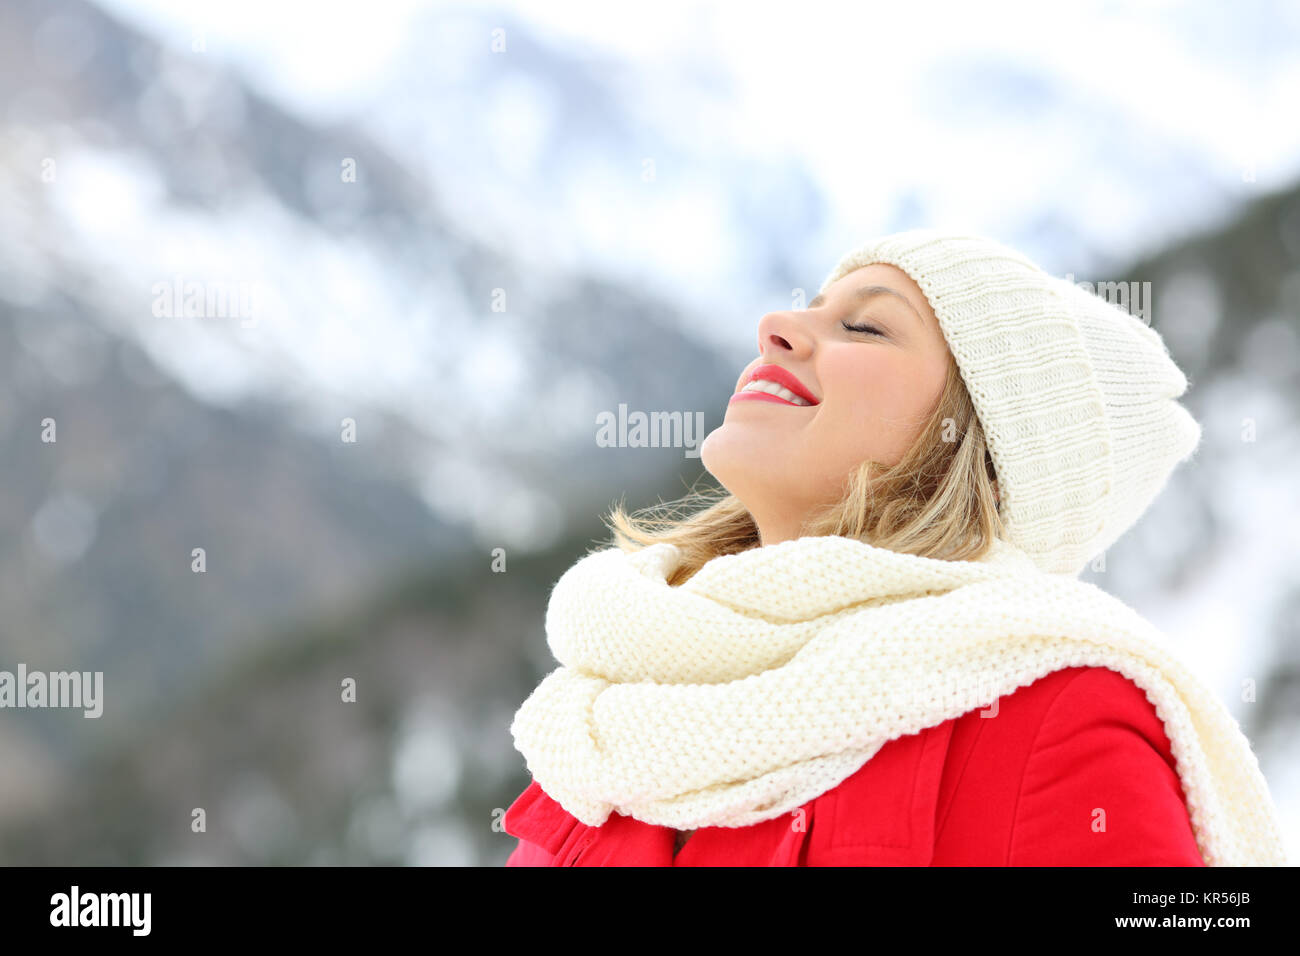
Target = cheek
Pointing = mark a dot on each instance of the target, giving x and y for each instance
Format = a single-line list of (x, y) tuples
[(870, 383), (874, 398)]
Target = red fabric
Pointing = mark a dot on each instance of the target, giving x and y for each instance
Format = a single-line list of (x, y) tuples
[(1074, 769)]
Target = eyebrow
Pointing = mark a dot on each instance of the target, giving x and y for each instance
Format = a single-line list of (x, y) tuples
[(866, 292)]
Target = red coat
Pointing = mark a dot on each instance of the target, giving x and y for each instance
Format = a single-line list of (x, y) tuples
[(1074, 770)]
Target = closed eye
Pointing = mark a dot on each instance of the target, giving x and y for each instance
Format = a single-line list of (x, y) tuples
[(870, 330)]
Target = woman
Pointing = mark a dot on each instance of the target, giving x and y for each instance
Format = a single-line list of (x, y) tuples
[(873, 648)]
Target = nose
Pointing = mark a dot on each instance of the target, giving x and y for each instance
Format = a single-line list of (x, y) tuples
[(782, 332)]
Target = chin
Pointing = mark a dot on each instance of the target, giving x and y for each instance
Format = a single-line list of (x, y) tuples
[(730, 460), (719, 456)]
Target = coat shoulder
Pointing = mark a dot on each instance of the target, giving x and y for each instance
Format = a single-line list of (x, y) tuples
[(1048, 775), (1100, 784)]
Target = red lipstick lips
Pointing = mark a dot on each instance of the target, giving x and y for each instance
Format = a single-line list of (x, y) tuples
[(779, 376)]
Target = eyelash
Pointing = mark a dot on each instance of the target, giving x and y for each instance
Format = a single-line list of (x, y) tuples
[(862, 328)]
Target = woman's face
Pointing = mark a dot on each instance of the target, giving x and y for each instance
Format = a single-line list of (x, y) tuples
[(869, 391)]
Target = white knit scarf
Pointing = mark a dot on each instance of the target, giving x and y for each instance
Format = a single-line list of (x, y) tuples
[(772, 675)]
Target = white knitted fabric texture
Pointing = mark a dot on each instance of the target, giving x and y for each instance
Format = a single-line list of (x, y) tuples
[(1075, 395), (772, 675)]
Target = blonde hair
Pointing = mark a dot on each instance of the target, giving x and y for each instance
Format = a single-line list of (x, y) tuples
[(940, 501)]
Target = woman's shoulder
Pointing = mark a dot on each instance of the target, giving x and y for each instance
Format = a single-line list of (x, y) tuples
[(1084, 684), (1068, 700), (1081, 713), (1083, 691), (1075, 766)]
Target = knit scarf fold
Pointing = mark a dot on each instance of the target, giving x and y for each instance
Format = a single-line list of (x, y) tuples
[(772, 675)]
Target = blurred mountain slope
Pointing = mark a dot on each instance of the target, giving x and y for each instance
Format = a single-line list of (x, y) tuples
[(166, 158)]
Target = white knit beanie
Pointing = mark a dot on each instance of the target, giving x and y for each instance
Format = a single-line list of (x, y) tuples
[(1076, 396)]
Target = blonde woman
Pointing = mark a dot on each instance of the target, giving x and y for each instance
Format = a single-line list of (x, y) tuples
[(870, 646)]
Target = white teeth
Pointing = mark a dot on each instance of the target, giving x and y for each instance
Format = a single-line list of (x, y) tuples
[(763, 385)]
